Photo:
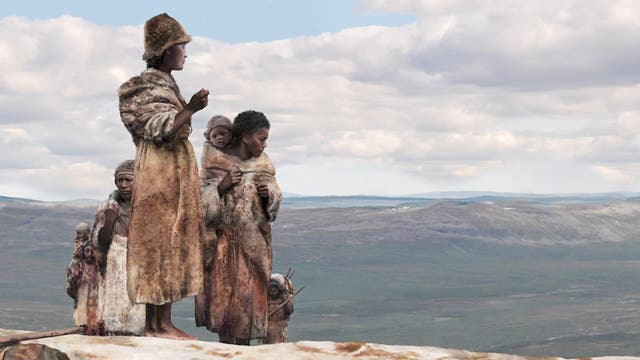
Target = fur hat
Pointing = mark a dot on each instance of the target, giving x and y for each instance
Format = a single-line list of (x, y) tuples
[(214, 122), (277, 279), (160, 33)]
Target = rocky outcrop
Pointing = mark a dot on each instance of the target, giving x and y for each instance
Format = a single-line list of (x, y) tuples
[(78, 347)]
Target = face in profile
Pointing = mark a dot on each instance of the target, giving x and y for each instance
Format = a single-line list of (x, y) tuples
[(175, 56), (257, 142), (124, 183), (220, 137)]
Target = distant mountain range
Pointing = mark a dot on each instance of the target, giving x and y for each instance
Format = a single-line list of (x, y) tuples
[(312, 201)]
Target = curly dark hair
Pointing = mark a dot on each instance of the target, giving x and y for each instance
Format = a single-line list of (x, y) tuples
[(155, 62), (247, 123)]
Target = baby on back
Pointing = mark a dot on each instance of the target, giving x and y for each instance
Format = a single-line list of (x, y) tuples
[(219, 132)]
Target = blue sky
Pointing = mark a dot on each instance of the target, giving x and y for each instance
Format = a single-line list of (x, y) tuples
[(379, 97), (229, 21)]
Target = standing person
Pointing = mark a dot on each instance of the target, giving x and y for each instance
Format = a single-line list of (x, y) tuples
[(241, 200), (217, 137), (110, 230), (75, 269), (87, 313), (164, 260)]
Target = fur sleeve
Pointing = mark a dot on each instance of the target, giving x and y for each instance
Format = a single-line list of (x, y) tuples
[(148, 107), (265, 173), (215, 166)]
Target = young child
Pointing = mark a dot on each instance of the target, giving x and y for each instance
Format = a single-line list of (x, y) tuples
[(218, 132), (75, 269), (280, 291), (86, 311)]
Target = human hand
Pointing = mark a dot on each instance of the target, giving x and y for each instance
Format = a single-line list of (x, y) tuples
[(199, 100), (263, 190), (233, 177)]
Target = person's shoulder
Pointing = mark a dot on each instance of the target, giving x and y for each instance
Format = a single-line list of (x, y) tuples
[(263, 163), (113, 196), (148, 78), (214, 157)]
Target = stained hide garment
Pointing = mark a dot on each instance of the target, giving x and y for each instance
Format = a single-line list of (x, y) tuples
[(234, 302), (119, 314), (279, 321), (87, 311), (166, 230)]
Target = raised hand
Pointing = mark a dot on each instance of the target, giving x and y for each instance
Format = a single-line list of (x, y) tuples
[(198, 101)]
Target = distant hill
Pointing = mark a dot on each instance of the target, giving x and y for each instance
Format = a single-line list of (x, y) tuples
[(302, 201), (435, 223), (537, 277), (7, 199)]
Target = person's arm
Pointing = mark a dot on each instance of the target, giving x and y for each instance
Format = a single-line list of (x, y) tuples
[(198, 102), (232, 178), (105, 232)]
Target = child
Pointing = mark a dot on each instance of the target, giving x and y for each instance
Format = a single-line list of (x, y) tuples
[(218, 132), (86, 311), (217, 136), (75, 269), (280, 291)]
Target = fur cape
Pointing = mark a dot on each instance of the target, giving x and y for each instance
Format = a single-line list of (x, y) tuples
[(119, 314), (234, 301), (166, 229)]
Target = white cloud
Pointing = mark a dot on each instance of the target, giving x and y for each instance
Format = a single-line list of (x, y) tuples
[(613, 174), (469, 96)]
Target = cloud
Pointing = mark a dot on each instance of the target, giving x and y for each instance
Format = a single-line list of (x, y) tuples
[(524, 45), (613, 174), (471, 96)]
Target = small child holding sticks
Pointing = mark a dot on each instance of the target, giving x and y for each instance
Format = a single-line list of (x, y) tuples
[(280, 307)]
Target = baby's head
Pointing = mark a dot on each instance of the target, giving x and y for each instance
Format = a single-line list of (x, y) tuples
[(218, 131), (82, 231)]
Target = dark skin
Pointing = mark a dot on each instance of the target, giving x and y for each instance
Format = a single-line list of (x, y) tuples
[(251, 145), (174, 58), (275, 293), (158, 321), (124, 183)]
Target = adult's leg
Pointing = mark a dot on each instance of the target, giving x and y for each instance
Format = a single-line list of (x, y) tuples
[(165, 327), (150, 328)]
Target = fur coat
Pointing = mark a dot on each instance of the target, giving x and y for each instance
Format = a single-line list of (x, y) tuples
[(164, 259), (119, 314), (238, 246)]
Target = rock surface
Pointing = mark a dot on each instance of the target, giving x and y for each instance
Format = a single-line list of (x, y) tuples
[(78, 347)]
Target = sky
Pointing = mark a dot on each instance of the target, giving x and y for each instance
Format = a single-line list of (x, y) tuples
[(377, 97)]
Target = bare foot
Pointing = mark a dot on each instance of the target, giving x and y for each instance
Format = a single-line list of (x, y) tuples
[(150, 333), (172, 332)]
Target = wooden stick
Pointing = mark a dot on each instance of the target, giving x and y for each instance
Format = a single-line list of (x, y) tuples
[(14, 339), (286, 301)]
